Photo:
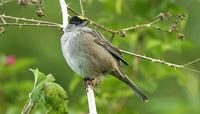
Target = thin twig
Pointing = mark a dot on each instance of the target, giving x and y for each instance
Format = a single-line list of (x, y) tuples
[(81, 6), (26, 22), (160, 61), (4, 21), (192, 62), (120, 32), (151, 59), (26, 19), (29, 24), (72, 10)]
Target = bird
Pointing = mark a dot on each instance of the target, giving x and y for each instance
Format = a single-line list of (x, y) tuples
[(92, 56)]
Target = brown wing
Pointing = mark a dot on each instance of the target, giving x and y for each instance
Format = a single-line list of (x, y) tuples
[(99, 39)]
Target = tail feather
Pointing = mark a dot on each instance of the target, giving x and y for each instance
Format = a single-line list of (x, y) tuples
[(132, 85)]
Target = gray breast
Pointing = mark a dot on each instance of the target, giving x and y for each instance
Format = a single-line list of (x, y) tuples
[(73, 47)]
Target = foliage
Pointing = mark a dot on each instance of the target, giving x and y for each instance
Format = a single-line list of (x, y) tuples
[(47, 93)]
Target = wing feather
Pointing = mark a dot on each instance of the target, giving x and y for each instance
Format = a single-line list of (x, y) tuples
[(99, 39)]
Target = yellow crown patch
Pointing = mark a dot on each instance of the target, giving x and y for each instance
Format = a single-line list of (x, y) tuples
[(82, 17)]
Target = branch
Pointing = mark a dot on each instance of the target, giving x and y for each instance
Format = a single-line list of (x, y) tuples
[(163, 62), (192, 62), (65, 15), (25, 19), (91, 99), (26, 22), (122, 32)]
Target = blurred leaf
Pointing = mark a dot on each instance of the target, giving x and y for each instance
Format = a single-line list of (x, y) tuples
[(167, 47), (153, 43)]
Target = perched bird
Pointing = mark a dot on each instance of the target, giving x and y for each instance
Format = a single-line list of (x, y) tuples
[(92, 56)]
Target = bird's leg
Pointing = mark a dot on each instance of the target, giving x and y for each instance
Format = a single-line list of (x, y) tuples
[(91, 82), (87, 81), (94, 82)]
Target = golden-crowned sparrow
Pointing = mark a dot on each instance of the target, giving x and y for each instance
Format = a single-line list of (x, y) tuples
[(90, 55)]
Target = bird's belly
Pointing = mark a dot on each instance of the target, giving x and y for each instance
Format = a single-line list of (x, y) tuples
[(78, 58)]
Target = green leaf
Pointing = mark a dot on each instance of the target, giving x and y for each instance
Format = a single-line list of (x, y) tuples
[(39, 77), (48, 93), (55, 98)]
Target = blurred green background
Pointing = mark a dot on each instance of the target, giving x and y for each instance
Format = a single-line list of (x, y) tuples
[(171, 91)]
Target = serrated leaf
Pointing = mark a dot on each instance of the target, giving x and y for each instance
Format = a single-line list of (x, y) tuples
[(55, 98), (49, 94)]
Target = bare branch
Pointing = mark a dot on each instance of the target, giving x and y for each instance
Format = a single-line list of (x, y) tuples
[(64, 13), (26, 22), (91, 99), (29, 24), (72, 10), (192, 62), (162, 62), (3, 20), (26, 19)]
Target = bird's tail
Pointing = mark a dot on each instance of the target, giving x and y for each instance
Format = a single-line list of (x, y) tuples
[(119, 75)]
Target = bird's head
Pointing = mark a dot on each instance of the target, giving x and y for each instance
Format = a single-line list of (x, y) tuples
[(78, 20)]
